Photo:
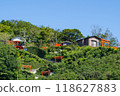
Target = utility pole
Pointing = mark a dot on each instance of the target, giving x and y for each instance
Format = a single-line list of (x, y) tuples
[(17, 77), (56, 39), (24, 34)]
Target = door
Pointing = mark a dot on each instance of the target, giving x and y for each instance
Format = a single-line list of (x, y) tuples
[(94, 43)]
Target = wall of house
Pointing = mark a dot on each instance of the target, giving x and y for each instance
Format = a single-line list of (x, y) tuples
[(93, 39), (80, 42), (83, 42), (86, 42)]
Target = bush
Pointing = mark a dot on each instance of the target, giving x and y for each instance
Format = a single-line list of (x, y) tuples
[(33, 60), (10, 64), (24, 75), (87, 63), (37, 51)]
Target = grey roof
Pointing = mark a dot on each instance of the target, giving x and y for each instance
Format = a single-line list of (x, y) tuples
[(18, 39), (90, 37), (66, 42)]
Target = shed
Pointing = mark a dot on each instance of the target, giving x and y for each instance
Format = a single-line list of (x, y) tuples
[(92, 41), (18, 42)]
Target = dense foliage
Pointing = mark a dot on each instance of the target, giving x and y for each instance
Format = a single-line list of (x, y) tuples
[(88, 63), (105, 34), (37, 51), (37, 35), (33, 60), (78, 63), (24, 75), (70, 35), (9, 62)]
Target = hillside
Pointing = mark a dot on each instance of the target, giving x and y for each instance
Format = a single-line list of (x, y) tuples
[(12, 59), (88, 63), (34, 35), (78, 63)]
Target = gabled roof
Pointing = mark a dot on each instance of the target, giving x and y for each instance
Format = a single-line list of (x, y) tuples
[(90, 37), (17, 38), (66, 42)]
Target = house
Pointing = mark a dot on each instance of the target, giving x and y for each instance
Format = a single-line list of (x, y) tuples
[(93, 41), (18, 42), (66, 43)]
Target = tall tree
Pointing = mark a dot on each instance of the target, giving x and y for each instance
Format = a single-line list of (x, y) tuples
[(105, 34), (5, 29), (70, 35), (4, 36)]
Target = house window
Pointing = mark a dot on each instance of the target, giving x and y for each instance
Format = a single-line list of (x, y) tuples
[(94, 43)]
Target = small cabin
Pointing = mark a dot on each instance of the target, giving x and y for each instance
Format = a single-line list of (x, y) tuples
[(92, 41), (18, 42)]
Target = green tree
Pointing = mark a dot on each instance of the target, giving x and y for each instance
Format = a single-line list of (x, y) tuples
[(9, 63), (99, 32), (32, 33), (4, 37), (5, 29), (70, 35)]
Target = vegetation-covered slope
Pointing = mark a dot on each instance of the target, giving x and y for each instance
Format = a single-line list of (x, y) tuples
[(35, 35), (12, 59), (88, 63), (79, 63), (10, 63)]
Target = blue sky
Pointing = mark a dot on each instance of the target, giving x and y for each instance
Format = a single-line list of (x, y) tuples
[(62, 14)]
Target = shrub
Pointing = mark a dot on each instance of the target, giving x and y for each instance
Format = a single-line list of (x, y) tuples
[(37, 51), (10, 63)]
